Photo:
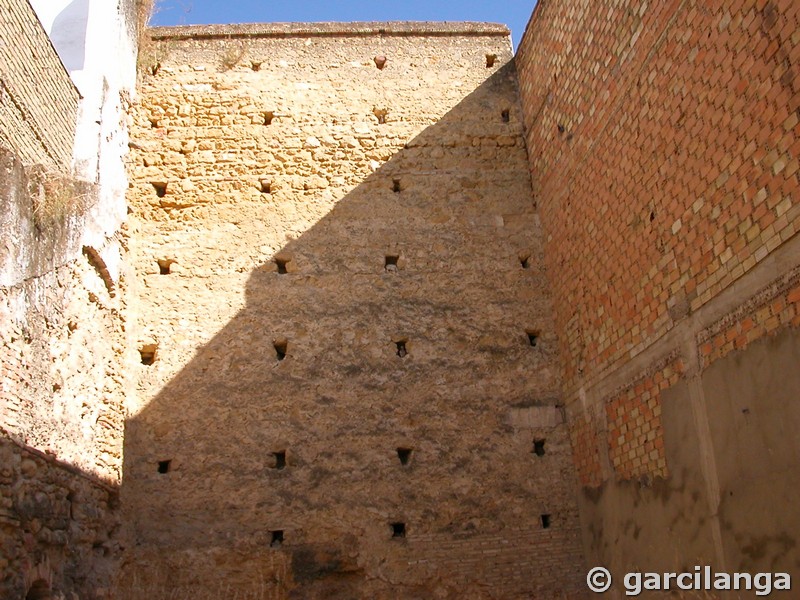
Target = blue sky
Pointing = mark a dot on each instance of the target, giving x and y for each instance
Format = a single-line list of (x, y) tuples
[(514, 13)]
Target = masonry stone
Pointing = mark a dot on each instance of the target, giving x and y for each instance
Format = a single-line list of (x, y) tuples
[(345, 283), (379, 310)]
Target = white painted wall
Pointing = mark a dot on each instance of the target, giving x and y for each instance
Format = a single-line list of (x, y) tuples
[(96, 42)]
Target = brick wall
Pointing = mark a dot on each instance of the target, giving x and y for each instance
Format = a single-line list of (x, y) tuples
[(635, 434), (492, 562), (767, 313), (38, 101), (585, 450), (663, 144), (664, 152)]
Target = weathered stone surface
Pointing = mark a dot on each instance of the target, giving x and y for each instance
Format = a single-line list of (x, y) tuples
[(340, 288), (59, 528), (64, 353), (64, 348), (347, 365)]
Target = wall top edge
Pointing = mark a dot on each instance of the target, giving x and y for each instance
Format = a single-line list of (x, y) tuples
[(330, 29)]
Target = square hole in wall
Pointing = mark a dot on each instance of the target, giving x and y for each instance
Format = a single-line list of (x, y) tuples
[(281, 347), (164, 466), (390, 262), (256, 66), (505, 115), (490, 60), (160, 188), (398, 530), (545, 520), (525, 261), (268, 117), (380, 114), (533, 337), (281, 263), (147, 354), (396, 185), (280, 460), (404, 454), (538, 447), (401, 348), (165, 265), (276, 538), (265, 186)]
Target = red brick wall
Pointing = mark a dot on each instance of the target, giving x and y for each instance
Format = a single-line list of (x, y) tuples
[(663, 141), (635, 435), (585, 449), (765, 314)]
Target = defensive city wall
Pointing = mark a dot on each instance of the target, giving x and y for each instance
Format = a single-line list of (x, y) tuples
[(381, 310), (348, 318)]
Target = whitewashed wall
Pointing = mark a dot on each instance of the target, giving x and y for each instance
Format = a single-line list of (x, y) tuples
[(96, 42)]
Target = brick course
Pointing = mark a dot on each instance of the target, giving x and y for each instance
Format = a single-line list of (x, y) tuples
[(38, 101), (773, 309), (664, 151), (664, 155)]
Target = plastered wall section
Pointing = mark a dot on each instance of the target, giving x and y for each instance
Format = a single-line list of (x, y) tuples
[(38, 101), (63, 380), (97, 42), (664, 156), (338, 258), (63, 340)]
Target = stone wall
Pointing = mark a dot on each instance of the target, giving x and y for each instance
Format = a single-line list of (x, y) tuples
[(63, 343), (38, 101), (663, 143), (65, 352), (349, 384), (58, 527)]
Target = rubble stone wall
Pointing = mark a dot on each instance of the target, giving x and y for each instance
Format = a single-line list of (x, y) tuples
[(64, 355), (350, 378)]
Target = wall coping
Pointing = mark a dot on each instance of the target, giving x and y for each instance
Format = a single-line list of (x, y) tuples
[(330, 29)]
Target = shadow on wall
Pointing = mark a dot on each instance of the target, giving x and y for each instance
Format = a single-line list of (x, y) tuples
[(346, 433), (68, 34), (58, 529)]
